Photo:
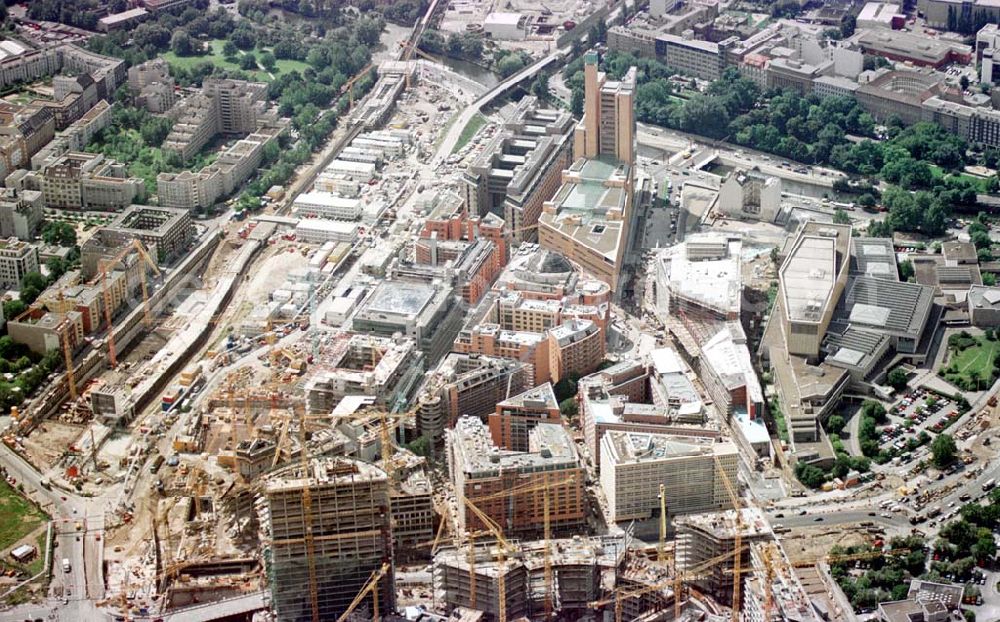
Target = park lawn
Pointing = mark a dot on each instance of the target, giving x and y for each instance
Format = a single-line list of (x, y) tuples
[(940, 173), (18, 516), (973, 361), (475, 124), (217, 59), (285, 65)]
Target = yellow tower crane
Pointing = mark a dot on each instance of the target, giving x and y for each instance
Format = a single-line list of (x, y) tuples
[(370, 587), (544, 487), (692, 574), (661, 552), (104, 268), (503, 548), (737, 540), (308, 519)]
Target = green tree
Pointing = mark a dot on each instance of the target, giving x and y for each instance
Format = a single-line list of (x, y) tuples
[(943, 451), (874, 410), (56, 266), (13, 308), (847, 26), (180, 43), (420, 446), (704, 115), (369, 29), (576, 102), (229, 49), (810, 476), (906, 271), (540, 87), (248, 62), (835, 424), (897, 379), (840, 217), (58, 232), (267, 61), (568, 407), (510, 64)]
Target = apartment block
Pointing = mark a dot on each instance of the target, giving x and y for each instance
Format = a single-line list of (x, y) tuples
[(589, 219), (608, 124), (189, 190), (472, 591), (42, 331), (153, 85), (319, 204), (17, 258), (515, 417), (692, 470), (24, 131), (916, 49), (900, 94), (23, 64), (350, 536), (467, 384), (195, 123), (772, 590), (20, 63), (236, 103), (728, 375), (520, 167), (947, 14), (750, 194), (556, 337), (21, 213), (651, 395), (412, 516), (76, 137), (474, 248), (89, 181), (165, 231), (487, 475), (149, 72), (703, 59), (223, 106)]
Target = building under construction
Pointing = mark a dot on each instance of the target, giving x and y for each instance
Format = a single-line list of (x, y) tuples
[(330, 531), (702, 537), (582, 569), (773, 593)]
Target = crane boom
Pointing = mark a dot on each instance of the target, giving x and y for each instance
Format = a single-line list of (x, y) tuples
[(737, 541), (370, 587)]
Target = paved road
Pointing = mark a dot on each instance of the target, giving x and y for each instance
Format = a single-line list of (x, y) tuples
[(64, 508), (455, 130), (835, 517)]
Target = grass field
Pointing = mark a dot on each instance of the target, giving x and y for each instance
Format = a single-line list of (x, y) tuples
[(977, 359), (217, 58), (18, 516), (972, 362), (474, 125), (979, 181)]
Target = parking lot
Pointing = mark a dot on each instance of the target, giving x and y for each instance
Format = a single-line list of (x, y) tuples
[(914, 419)]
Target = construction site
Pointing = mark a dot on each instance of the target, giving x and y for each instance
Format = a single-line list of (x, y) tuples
[(373, 400)]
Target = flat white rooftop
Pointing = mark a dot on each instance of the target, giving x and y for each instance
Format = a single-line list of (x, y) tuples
[(808, 277)]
